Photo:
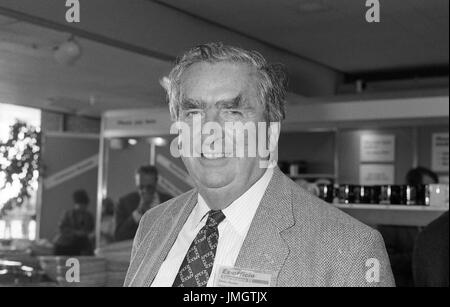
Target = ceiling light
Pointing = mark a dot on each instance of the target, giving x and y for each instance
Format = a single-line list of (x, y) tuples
[(68, 52), (132, 142), (157, 141)]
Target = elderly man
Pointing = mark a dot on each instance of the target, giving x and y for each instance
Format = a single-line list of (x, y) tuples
[(244, 224)]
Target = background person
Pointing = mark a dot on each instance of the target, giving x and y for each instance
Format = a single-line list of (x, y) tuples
[(107, 227), (421, 176), (400, 240), (132, 206), (76, 228), (430, 257)]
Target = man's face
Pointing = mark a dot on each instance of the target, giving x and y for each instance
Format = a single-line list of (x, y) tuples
[(221, 92), (146, 185)]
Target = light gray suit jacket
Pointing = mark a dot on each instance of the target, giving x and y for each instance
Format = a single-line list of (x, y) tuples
[(300, 239)]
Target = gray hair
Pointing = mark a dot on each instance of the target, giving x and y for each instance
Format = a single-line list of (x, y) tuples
[(272, 85)]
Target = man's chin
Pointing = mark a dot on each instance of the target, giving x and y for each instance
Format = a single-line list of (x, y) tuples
[(215, 180), (212, 164), (212, 173)]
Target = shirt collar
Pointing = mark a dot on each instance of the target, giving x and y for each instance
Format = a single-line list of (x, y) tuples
[(240, 212)]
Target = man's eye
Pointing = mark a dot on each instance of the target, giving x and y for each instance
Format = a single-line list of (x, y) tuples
[(192, 112), (234, 112)]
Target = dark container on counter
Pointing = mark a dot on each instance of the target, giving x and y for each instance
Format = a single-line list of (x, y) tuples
[(375, 192), (422, 195), (408, 195), (326, 192), (396, 195), (385, 195), (346, 194), (392, 195), (361, 194)]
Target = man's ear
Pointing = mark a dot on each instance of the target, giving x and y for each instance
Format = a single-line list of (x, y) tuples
[(273, 135), (165, 83)]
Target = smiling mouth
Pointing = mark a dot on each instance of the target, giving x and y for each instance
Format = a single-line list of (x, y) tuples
[(213, 156), (216, 155)]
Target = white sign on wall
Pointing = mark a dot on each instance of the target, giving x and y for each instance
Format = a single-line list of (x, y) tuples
[(376, 174), (377, 148), (439, 152), (70, 172), (142, 122)]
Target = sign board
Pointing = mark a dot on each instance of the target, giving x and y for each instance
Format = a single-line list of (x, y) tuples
[(376, 174), (143, 122), (377, 148), (439, 152)]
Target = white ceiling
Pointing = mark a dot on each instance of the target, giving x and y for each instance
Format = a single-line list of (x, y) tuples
[(412, 33), (103, 78)]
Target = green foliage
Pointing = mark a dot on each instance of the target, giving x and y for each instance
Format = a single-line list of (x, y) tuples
[(20, 162)]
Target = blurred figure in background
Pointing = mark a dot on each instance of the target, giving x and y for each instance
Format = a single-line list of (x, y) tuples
[(400, 239), (76, 228), (132, 206), (430, 258), (421, 175), (107, 226)]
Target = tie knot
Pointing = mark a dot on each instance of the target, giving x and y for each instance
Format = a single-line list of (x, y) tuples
[(215, 217)]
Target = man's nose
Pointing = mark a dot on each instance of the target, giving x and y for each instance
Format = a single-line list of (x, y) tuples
[(212, 115)]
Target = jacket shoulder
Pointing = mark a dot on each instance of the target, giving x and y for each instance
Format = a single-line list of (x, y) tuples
[(340, 243), (327, 224), (173, 205)]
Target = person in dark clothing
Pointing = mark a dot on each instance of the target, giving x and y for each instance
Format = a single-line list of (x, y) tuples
[(430, 257), (421, 175), (400, 240), (132, 206), (107, 227), (76, 228)]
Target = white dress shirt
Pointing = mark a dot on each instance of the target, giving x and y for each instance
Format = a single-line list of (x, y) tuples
[(232, 232)]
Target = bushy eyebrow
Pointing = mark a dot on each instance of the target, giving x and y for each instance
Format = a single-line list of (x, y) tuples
[(187, 104), (233, 103)]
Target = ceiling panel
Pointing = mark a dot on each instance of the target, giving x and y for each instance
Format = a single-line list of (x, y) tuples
[(412, 33), (6, 20), (103, 78)]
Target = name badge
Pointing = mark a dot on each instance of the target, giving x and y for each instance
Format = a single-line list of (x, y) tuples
[(235, 277)]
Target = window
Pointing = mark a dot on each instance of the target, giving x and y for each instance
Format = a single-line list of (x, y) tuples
[(18, 222)]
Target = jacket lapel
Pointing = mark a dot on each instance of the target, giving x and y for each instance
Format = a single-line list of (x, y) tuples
[(169, 226), (264, 248)]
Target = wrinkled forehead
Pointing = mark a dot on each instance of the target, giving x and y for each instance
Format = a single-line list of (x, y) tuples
[(212, 82)]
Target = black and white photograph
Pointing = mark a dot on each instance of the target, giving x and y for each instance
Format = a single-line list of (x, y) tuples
[(224, 144)]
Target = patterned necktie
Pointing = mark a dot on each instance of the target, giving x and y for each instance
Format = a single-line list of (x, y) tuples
[(197, 265)]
